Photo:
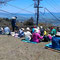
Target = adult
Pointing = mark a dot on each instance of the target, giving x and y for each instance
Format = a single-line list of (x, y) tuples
[(46, 39), (36, 36), (13, 23), (33, 29), (7, 30), (28, 34), (1, 30), (58, 29), (53, 31), (38, 30), (56, 41), (21, 32), (42, 30)]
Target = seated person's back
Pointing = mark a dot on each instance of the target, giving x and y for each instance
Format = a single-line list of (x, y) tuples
[(6, 30), (21, 33), (56, 41), (27, 34), (36, 36)]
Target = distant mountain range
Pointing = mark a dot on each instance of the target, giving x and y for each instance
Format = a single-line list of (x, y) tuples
[(46, 18)]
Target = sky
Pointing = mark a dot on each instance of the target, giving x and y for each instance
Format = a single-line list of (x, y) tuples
[(52, 5)]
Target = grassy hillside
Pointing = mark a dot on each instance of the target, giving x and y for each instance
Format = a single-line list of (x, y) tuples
[(28, 23), (5, 22)]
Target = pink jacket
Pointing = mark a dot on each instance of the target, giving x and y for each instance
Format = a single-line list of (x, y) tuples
[(36, 37), (50, 37)]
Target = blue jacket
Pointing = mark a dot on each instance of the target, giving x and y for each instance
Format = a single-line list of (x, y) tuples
[(13, 22), (56, 42)]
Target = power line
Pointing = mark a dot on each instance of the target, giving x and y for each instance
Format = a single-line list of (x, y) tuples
[(6, 11), (19, 8), (52, 14), (11, 13), (55, 2), (42, 15), (29, 6), (51, 5), (44, 18)]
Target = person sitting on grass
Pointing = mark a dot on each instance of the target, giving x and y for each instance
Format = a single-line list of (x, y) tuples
[(36, 36), (45, 36), (56, 41), (1, 30), (58, 29), (21, 33), (28, 34), (53, 31), (38, 30), (33, 29), (7, 31), (42, 30)]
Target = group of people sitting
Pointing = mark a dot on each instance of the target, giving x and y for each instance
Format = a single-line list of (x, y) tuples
[(35, 34), (38, 34), (5, 30)]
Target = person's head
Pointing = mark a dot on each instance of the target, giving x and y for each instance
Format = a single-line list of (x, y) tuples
[(36, 30), (52, 28), (34, 27), (41, 27), (2, 28), (45, 29), (58, 29), (14, 17), (28, 29), (22, 29)]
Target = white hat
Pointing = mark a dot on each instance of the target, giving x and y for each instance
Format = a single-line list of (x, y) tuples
[(36, 30), (13, 17), (22, 28), (58, 34), (27, 28), (41, 26)]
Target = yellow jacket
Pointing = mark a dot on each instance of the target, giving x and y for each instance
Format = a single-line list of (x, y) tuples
[(45, 33)]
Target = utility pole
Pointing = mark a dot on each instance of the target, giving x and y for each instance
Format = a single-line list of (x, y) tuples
[(36, 5), (37, 12)]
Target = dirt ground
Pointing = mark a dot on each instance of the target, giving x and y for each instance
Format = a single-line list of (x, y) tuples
[(12, 48)]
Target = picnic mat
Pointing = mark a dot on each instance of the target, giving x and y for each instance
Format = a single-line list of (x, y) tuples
[(27, 41), (50, 46)]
